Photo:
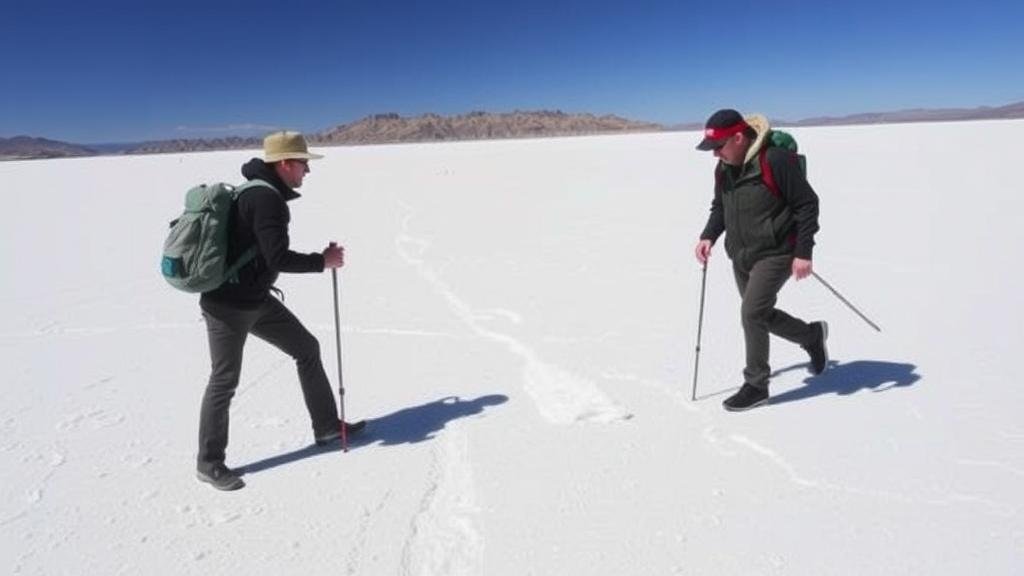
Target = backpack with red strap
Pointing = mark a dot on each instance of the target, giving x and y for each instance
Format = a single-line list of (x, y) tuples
[(778, 139)]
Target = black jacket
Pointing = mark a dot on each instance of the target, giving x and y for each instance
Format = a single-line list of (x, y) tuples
[(260, 217), (757, 224)]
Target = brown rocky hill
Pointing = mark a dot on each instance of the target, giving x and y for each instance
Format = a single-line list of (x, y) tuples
[(390, 128), (384, 128), (194, 145), (20, 147)]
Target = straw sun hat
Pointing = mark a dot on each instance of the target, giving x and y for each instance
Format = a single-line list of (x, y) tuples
[(286, 146)]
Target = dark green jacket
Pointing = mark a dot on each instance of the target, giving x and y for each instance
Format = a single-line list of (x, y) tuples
[(757, 224)]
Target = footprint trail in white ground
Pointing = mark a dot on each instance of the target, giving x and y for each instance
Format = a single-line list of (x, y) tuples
[(444, 538), (560, 396)]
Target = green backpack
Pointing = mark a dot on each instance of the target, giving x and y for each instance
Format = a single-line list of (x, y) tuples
[(196, 249), (778, 139)]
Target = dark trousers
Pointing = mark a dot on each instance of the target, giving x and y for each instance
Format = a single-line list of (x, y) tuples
[(759, 289), (227, 328)]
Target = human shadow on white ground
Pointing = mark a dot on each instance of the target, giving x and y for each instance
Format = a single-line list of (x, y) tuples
[(406, 426), (848, 378)]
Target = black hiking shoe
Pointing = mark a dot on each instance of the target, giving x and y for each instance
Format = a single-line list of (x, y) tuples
[(220, 477), (748, 397), (334, 435), (818, 351)]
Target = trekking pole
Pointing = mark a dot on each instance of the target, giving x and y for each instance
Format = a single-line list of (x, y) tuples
[(700, 326), (845, 301), (337, 341)]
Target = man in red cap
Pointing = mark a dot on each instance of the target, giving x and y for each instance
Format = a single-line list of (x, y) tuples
[(769, 236)]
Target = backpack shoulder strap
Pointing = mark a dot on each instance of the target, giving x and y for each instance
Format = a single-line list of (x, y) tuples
[(766, 173), (252, 184), (231, 274), (250, 253)]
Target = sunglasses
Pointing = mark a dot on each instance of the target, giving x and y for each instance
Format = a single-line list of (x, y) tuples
[(721, 143)]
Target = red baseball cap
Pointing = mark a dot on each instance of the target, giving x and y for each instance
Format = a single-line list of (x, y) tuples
[(721, 126)]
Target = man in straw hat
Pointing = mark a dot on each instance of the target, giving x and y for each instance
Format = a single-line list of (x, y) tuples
[(260, 218), (769, 224)]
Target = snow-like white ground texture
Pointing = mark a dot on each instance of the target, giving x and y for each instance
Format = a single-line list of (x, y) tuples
[(519, 327)]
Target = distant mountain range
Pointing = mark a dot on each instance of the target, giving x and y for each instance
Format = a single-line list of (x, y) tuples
[(1015, 110), (392, 128), (29, 147)]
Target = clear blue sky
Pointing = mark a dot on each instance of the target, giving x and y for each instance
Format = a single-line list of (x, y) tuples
[(111, 71)]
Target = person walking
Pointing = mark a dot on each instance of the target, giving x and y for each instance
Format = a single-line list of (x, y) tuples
[(769, 236), (244, 305)]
